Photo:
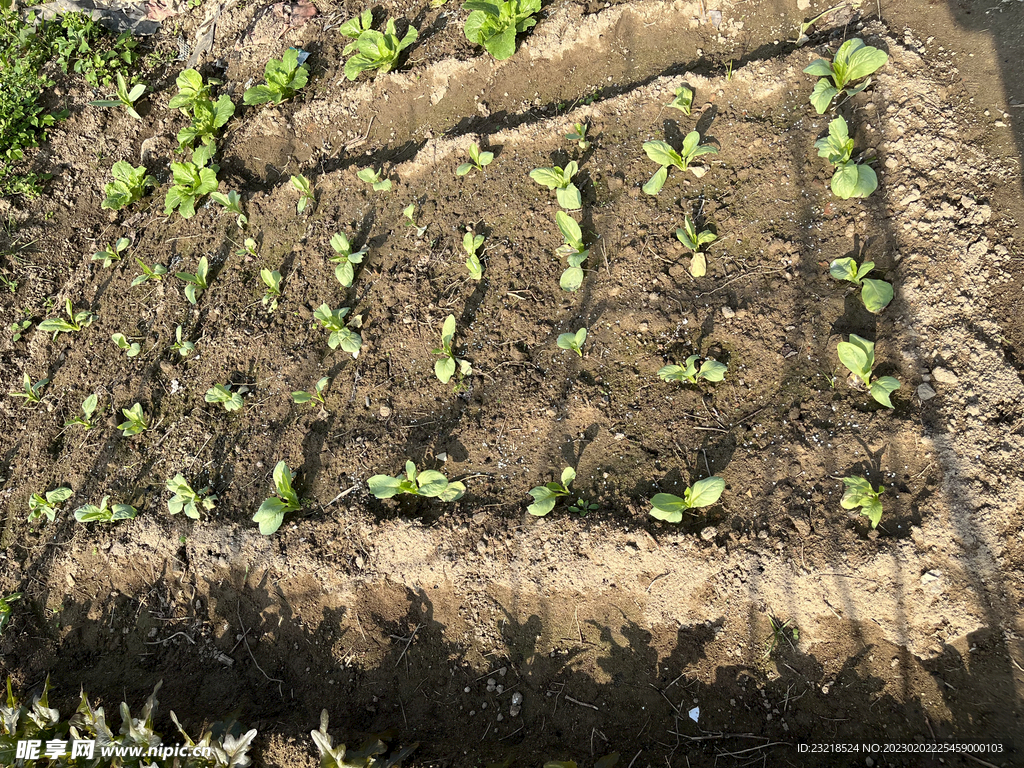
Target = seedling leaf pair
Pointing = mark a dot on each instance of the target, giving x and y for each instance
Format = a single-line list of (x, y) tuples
[(478, 160), (271, 513), (573, 341), (135, 421), (284, 76), (232, 202), (665, 155), (471, 244), (377, 50), (125, 97), (850, 179), (429, 483), (710, 370), (341, 335), (112, 253), (494, 25), (446, 367), (560, 180), (860, 493), (344, 271), (129, 185), (195, 281), (375, 178), (218, 393), (32, 392), (683, 100), (130, 348), (191, 182), (854, 60), (317, 395), (695, 241), (76, 321), (876, 294), (579, 135), (573, 250), (546, 496), (103, 513), (85, 420), (858, 355), (305, 189), (45, 504), (156, 272), (187, 500), (704, 493), (272, 280)]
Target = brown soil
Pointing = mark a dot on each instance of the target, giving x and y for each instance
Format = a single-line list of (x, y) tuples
[(614, 625)]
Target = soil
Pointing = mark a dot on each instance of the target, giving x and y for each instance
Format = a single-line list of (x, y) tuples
[(612, 626)]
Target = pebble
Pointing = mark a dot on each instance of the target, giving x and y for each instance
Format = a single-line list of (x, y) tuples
[(385, 412), (925, 392), (708, 533), (728, 313), (944, 376)]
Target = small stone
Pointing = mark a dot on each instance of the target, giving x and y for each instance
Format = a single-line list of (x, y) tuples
[(517, 699), (514, 710), (708, 533), (944, 376), (925, 392), (728, 313), (385, 412)]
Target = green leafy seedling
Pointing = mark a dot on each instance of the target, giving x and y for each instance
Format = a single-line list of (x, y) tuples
[(44, 504), (710, 370), (579, 135), (858, 355), (249, 247), (5, 618), (112, 253), (131, 348), (573, 249), (781, 631), (695, 242), (849, 179), (90, 513), (582, 507), (704, 493), (364, 757), (208, 117), (410, 213), (355, 26), (218, 393), (305, 189), (272, 280), (446, 367), (573, 341), (85, 420), (876, 294), (19, 328), (341, 335), (191, 89), (195, 281), (471, 244), (76, 321), (344, 270), (271, 513), (429, 483), (853, 61), (135, 421), (316, 396), (284, 76), (32, 392), (560, 180), (375, 178), (860, 493), (546, 496), (683, 100), (191, 182), (377, 50), (664, 155), (232, 203), (182, 346), (157, 272), (125, 98), (478, 160), (494, 25), (129, 185), (187, 500), (804, 27)]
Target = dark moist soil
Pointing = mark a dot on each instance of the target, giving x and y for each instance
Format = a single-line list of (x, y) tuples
[(612, 626)]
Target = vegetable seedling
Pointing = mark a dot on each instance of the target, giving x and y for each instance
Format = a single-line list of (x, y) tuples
[(208, 117), (248, 248), (85, 420), (135, 421), (876, 294), (191, 89), (5, 618), (272, 280), (573, 249), (90, 513), (18, 329), (44, 504), (582, 507), (344, 270), (445, 368), (779, 633), (804, 27), (182, 346), (271, 513), (218, 393), (375, 178), (284, 76), (341, 335), (860, 493), (858, 355), (695, 241), (410, 213), (157, 272), (191, 182), (130, 348), (579, 135), (471, 244), (355, 26), (196, 281), (187, 500), (112, 252), (849, 179), (232, 203), (683, 100), (546, 496), (129, 185), (560, 180), (305, 189), (377, 50), (704, 493), (573, 341), (76, 321), (854, 60), (32, 392), (477, 160), (125, 98), (662, 153), (494, 25), (710, 370), (429, 483), (317, 395)]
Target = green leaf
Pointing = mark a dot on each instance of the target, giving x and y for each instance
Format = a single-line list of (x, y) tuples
[(662, 153), (431, 483), (384, 486), (698, 264), (569, 228), (706, 492), (544, 500), (270, 515), (852, 180), (656, 182), (463, 169), (855, 359), (547, 177), (444, 369), (58, 495), (873, 509), (863, 60), (882, 388), (569, 198), (857, 490), (819, 68), (608, 761), (822, 95), (453, 492), (568, 475), (876, 295), (571, 279), (844, 269), (712, 370), (667, 507)]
